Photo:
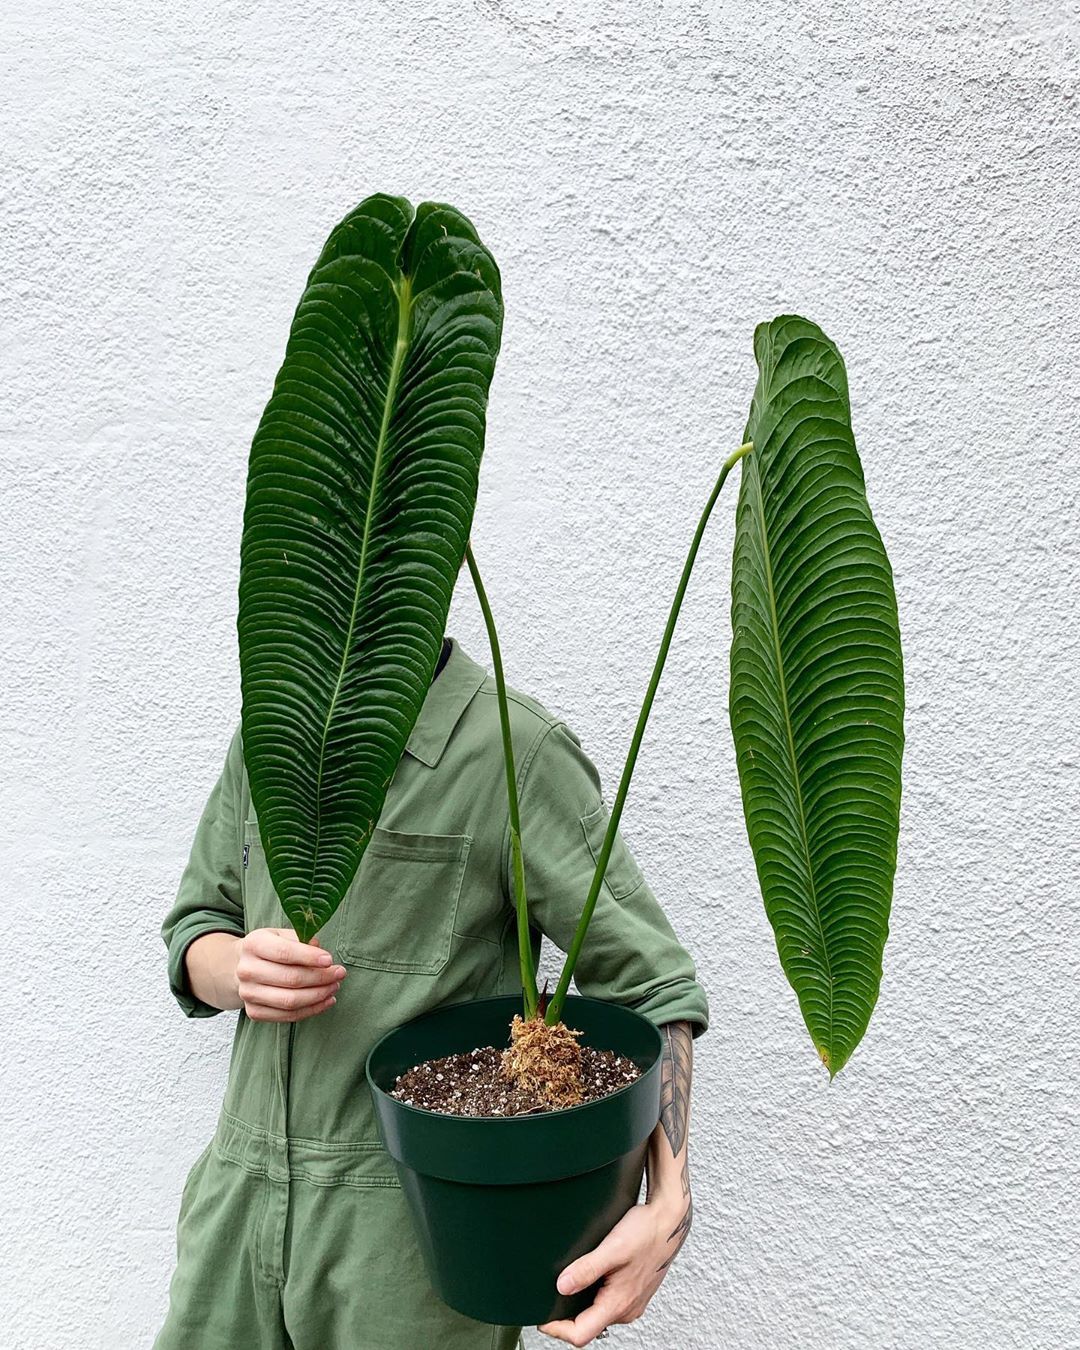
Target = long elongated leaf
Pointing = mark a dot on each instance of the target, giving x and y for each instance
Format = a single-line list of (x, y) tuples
[(361, 490), (817, 696)]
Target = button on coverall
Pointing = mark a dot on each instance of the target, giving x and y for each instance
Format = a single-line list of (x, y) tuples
[(293, 1232)]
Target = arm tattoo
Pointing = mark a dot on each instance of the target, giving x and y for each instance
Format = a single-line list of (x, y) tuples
[(675, 1071), (683, 1231)]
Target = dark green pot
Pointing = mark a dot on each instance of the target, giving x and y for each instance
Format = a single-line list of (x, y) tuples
[(501, 1205)]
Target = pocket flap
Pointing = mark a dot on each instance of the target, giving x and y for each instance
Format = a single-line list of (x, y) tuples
[(399, 913)]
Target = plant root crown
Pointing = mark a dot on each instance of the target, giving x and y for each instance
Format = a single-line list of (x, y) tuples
[(545, 1060)]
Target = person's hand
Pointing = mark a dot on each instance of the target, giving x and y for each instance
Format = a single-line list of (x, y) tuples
[(632, 1261), (281, 979)]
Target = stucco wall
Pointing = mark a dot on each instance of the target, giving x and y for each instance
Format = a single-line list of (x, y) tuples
[(654, 179)]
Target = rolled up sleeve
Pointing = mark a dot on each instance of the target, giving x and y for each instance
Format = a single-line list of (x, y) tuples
[(209, 899), (631, 955)]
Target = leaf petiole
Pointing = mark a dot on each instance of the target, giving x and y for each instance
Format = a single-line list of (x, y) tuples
[(530, 994), (555, 1007)]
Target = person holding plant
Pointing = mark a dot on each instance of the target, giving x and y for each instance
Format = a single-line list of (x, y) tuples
[(390, 784), (293, 1231)]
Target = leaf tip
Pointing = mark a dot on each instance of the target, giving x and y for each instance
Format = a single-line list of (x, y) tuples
[(831, 1061), (305, 924)]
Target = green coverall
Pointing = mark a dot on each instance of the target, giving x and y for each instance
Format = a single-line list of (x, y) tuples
[(293, 1232)]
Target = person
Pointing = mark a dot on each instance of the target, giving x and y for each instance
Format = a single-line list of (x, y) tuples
[(293, 1232)]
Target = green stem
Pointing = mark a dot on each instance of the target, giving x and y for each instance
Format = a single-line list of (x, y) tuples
[(555, 1007), (530, 993)]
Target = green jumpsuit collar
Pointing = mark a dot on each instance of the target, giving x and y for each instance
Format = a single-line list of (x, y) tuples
[(450, 694)]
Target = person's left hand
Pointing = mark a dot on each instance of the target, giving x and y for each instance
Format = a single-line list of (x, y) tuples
[(632, 1261)]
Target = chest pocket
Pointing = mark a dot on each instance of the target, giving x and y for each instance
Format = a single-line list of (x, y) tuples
[(399, 913)]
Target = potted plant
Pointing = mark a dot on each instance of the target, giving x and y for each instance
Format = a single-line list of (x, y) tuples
[(361, 493)]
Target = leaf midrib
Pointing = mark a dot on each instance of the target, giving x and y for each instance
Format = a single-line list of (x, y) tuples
[(759, 506), (403, 291)]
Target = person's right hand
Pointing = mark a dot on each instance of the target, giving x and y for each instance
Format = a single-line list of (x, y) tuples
[(281, 979)]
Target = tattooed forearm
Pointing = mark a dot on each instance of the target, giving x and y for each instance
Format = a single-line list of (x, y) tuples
[(676, 1067), (675, 1073)]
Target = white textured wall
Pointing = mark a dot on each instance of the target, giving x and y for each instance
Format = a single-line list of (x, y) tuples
[(653, 178)]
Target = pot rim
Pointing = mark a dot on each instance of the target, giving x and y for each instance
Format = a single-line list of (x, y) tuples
[(561, 1112)]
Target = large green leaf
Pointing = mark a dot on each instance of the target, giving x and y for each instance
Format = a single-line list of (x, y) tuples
[(817, 695), (361, 490)]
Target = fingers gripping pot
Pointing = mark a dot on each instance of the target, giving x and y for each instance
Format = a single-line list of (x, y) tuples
[(502, 1204)]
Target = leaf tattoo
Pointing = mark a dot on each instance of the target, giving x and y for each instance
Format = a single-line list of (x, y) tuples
[(675, 1073)]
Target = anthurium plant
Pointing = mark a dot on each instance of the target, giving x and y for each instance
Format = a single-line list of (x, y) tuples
[(816, 695), (361, 492)]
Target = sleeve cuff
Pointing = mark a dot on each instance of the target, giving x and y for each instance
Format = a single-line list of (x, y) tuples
[(680, 1001), (184, 934)]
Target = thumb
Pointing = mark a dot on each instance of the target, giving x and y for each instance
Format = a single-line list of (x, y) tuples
[(591, 1267)]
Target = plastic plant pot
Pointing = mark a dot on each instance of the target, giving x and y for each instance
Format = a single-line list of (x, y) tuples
[(502, 1204)]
